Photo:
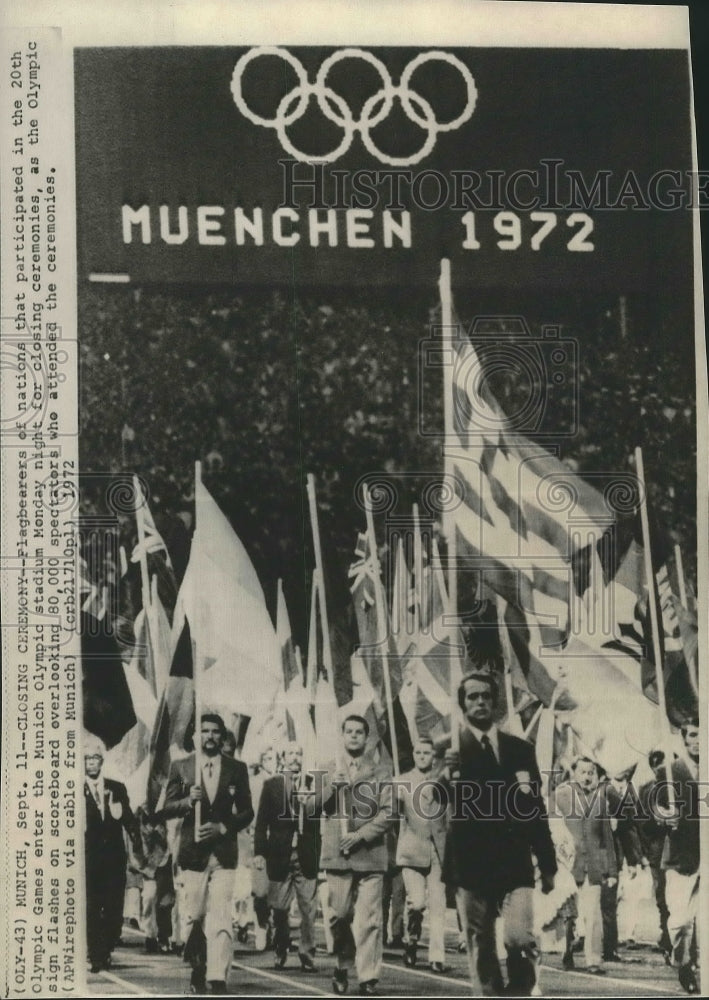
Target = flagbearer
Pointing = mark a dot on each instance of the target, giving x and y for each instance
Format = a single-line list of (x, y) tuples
[(498, 822), (108, 814), (208, 855), (287, 843)]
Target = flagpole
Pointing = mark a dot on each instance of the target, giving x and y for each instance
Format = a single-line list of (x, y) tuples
[(382, 637), (652, 601), (144, 579), (513, 721), (418, 574), (449, 529), (319, 594), (692, 666), (196, 666), (680, 577)]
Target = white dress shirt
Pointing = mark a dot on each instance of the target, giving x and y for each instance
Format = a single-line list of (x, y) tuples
[(98, 790), (491, 735), (211, 769)]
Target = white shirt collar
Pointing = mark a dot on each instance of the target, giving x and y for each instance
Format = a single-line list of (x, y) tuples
[(491, 735)]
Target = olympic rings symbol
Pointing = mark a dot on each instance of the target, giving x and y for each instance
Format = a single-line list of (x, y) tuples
[(374, 110)]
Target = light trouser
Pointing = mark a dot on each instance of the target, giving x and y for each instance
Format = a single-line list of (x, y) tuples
[(421, 883), (478, 915), (355, 902), (280, 897), (208, 899), (682, 897), (591, 914)]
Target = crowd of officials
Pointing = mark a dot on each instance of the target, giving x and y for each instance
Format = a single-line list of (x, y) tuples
[(230, 849)]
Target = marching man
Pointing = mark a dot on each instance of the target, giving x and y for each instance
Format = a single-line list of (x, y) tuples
[(422, 837), (208, 853)]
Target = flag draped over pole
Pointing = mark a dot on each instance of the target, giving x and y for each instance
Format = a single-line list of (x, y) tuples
[(529, 527), (226, 652)]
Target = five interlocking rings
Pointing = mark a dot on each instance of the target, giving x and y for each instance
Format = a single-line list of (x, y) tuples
[(334, 107)]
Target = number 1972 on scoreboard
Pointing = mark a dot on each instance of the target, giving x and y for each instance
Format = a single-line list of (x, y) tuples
[(513, 231)]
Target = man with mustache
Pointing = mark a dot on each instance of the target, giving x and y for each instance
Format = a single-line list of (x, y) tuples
[(208, 852)]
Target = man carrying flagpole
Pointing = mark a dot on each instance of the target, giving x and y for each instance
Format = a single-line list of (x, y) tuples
[(208, 853)]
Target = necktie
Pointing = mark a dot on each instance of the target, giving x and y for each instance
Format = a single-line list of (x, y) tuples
[(487, 750), (97, 799), (208, 767)]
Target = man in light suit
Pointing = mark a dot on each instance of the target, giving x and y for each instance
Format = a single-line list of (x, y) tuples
[(108, 814), (497, 823), (208, 852), (583, 804), (422, 837), (287, 843), (356, 795)]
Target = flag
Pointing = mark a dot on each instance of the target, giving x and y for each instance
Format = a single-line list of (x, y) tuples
[(174, 716), (146, 675), (622, 595), (614, 723), (222, 599), (377, 646), (292, 698), (107, 703), (513, 523)]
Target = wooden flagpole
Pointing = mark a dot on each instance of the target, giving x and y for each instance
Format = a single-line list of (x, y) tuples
[(196, 666), (514, 723), (652, 601), (691, 667), (449, 528), (382, 637), (418, 574), (319, 595)]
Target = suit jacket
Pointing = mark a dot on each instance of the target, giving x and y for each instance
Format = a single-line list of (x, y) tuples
[(681, 849), (420, 838), (276, 826), (651, 829), (367, 806), (231, 806), (588, 818), (497, 819), (104, 840)]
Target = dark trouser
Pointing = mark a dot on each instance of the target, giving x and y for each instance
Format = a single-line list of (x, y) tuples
[(609, 916), (478, 914), (105, 889), (658, 884)]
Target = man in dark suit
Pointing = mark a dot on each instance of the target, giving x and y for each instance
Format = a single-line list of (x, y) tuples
[(497, 822), (652, 831), (287, 842), (208, 851), (108, 814), (680, 858)]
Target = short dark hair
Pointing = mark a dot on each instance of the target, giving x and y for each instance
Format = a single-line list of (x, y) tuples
[(582, 758), (483, 678), (423, 739), (692, 723), (356, 718), (214, 718)]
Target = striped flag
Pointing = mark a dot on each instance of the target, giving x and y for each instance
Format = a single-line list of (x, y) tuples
[(513, 525)]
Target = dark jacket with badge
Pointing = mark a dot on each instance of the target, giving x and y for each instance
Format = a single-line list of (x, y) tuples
[(278, 831), (498, 821), (231, 806), (105, 843)]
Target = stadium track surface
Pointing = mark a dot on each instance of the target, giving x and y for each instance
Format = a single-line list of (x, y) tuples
[(134, 973)]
